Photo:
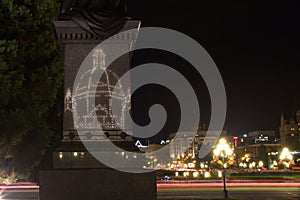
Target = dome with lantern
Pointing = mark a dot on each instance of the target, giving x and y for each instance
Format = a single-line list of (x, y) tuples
[(102, 92)]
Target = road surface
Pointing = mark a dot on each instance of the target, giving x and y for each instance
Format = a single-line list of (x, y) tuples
[(20, 194), (242, 193), (239, 193)]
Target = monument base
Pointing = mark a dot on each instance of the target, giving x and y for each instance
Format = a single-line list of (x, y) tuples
[(91, 184), (76, 174)]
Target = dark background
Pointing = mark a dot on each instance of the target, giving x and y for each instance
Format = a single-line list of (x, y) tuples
[(255, 46)]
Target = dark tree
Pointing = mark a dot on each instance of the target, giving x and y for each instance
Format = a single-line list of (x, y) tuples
[(30, 78)]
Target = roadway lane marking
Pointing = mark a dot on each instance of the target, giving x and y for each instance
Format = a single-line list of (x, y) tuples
[(19, 187), (21, 190)]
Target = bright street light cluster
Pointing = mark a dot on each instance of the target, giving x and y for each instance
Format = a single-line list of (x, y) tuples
[(285, 154), (223, 150), (286, 157)]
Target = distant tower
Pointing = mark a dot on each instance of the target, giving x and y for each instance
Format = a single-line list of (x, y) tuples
[(298, 120), (282, 119), (292, 121), (289, 134)]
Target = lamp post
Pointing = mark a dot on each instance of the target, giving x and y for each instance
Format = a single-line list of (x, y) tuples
[(224, 151)]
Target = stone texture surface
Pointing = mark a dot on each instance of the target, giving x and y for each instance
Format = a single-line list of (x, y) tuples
[(76, 44), (100, 184), (82, 177)]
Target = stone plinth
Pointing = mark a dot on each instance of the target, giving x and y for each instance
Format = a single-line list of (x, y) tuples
[(76, 174), (76, 44), (100, 184)]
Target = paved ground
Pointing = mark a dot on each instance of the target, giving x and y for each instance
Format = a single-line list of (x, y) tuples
[(20, 194), (244, 193), (230, 185)]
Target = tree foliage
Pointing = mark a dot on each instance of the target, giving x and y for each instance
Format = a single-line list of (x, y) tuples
[(30, 78)]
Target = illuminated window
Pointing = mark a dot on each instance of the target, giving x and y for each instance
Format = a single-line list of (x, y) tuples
[(292, 129)]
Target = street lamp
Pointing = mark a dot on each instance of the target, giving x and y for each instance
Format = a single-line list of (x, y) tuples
[(224, 151), (286, 156), (261, 164)]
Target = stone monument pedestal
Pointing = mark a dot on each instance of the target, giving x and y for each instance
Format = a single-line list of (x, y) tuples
[(76, 174), (91, 184)]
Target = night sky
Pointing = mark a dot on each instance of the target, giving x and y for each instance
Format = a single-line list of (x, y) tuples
[(256, 47)]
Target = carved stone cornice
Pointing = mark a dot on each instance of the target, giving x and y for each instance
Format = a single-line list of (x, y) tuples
[(70, 32)]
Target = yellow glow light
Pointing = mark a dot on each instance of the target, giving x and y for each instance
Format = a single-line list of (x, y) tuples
[(220, 174), (206, 175), (285, 154)]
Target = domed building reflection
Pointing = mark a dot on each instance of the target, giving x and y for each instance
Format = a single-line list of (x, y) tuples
[(100, 115)]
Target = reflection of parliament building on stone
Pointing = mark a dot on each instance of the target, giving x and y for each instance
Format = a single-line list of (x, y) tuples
[(90, 89), (77, 171), (107, 88)]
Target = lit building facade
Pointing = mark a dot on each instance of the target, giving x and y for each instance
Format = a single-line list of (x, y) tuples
[(258, 145), (189, 144), (180, 145), (258, 137)]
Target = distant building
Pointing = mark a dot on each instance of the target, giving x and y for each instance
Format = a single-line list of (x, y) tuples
[(258, 144), (189, 144), (181, 144), (289, 132), (261, 132), (209, 137), (298, 119), (258, 137)]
